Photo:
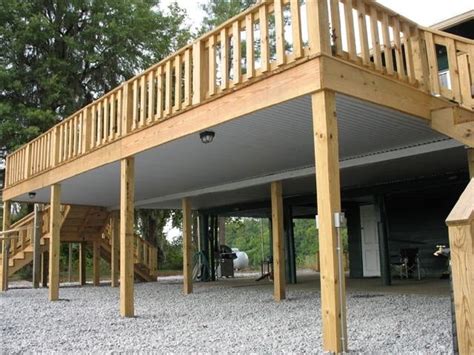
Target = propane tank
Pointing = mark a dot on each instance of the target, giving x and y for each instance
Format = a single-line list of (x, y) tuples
[(242, 260)]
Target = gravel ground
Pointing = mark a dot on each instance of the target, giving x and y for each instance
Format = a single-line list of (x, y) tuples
[(216, 319)]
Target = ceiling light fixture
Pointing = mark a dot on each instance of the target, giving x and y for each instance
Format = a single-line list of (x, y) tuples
[(32, 195), (207, 136)]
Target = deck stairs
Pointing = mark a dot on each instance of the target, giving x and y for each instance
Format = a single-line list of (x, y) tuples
[(78, 224)]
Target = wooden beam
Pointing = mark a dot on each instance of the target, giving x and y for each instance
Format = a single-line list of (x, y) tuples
[(54, 242), (455, 122), (115, 249), (82, 263), (326, 147), (96, 263), (37, 229), (461, 242), (187, 248), (5, 246), (127, 198), (350, 79), (279, 281), (470, 162)]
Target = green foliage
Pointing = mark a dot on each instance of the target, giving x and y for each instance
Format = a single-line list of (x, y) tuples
[(219, 11), (57, 56), (251, 236)]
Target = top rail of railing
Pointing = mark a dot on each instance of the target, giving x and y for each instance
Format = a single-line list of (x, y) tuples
[(267, 37)]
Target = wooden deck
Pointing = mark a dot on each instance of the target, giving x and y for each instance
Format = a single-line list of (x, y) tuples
[(274, 52), (389, 60)]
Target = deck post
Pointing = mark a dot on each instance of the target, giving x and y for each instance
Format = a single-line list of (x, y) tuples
[(187, 248), (82, 263), (115, 250), (36, 246), (289, 243), (127, 198), (279, 282), (461, 242), (470, 161), (326, 144), (54, 242), (5, 246), (44, 268), (96, 262)]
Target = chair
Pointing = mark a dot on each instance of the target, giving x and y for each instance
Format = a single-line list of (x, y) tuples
[(409, 263)]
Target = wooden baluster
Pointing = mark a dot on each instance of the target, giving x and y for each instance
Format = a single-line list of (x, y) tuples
[(151, 96), (407, 43), (432, 63), (106, 103), (143, 95), (465, 83), (127, 109), (374, 31), (280, 40), (187, 78), (224, 59), (212, 65), (453, 69), (159, 93), (387, 49), (168, 103), (264, 49), (100, 123), (296, 28), (113, 117), (349, 20), (336, 26), (119, 112), (135, 113), (198, 76), (237, 54), (364, 39), (27, 167), (74, 127), (178, 82), (93, 115), (61, 142), (249, 53), (398, 49)]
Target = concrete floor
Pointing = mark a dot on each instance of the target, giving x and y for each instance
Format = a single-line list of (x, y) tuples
[(307, 280)]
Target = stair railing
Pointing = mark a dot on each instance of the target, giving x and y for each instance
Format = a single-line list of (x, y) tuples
[(144, 252)]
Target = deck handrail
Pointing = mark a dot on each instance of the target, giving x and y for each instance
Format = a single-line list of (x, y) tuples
[(261, 40)]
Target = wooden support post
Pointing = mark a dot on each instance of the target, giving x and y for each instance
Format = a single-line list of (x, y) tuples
[(5, 246), (187, 250), (127, 198), (36, 246), (96, 262), (279, 282), (470, 161), (82, 263), (54, 242), (69, 259), (44, 269), (115, 249), (329, 202), (461, 242)]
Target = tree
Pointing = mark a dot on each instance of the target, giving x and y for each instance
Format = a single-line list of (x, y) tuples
[(218, 11), (57, 56)]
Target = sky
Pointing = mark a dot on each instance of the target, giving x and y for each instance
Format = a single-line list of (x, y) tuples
[(424, 12)]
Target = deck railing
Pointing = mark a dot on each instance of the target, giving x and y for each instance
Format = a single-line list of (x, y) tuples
[(266, 38)]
